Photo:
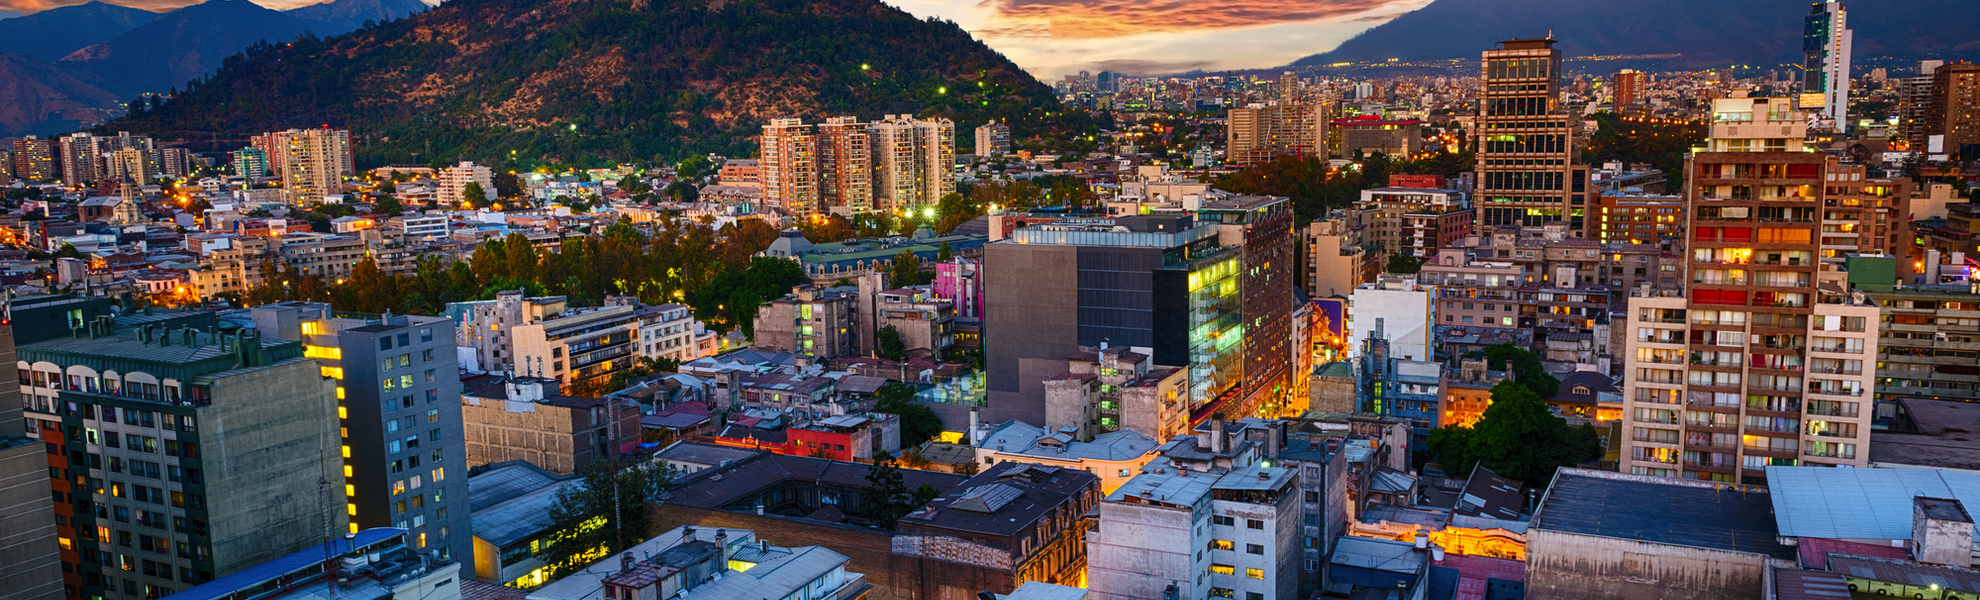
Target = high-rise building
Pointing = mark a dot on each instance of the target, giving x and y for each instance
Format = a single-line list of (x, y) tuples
[(790, 166), (174, 163), (455, 179), (1954, 108), (1527, 174), (1629, 86), (1162, 282), (913, 161), (32, 554), (250, 163), (1259, 132), (34, 159), (845, 159), (1914, 96), (1825, 46), (132, 164), (993, 139), (1262, 226), (312, 163), (1759, 360), (177, 454), (79, 157), (399, 404)]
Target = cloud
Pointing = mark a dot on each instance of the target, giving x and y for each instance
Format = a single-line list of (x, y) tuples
[(1086, 19), (35, 6)]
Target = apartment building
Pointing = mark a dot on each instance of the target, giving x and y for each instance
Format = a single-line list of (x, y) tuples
[(176, 455), (1527, 174), (34, 159), (810, 320), (1367, 135), (668, 331), (404, 461), (1413, 222), (1111, 388), (1198, 535), (926, 324), (545, 337), (913, 161), (1028, 520), (1750, 365), (312, 163), (454, 180), (1257, 133), (1472, 291), (33, 554), (1634, 218), (1396, 309), (524, 418), (1333, 259), (993, 139), (1262, 226), (1928, 344), (845, 165), (789, 166)]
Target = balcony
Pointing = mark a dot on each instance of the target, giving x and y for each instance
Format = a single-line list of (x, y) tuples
[(1723, 463), (1829, 453), (1835, 371), (1852, 393)]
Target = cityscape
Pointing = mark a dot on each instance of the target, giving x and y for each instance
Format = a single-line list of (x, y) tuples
[(833, 300)]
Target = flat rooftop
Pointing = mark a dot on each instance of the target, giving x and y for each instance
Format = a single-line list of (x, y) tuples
[(1675, 512)]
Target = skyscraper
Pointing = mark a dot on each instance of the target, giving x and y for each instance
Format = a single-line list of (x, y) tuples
[(34, 159), (1760, 360), (250, 163), (845, 171), (1526, 171), (79, 157), (1914, 99), (790, 166), (1825, 44)]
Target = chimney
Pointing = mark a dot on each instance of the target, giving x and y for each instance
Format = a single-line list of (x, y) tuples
[(625, 562), (687, 534), (722, 544), (1217, 435)]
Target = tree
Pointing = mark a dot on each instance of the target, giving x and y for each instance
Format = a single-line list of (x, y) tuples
[(886, 498), (1525, 368), (906, 269), (892, 347), (1517, 437), (472, 193), (1402, 264), (945, 253), (507, 185), (918, 423), (389, 205), (603, 515), (68, 250)]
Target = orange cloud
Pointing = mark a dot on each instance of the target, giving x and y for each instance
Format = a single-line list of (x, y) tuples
[(1086, 19), (35, 6)]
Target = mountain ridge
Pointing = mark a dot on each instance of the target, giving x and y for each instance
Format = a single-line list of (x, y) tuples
[(573, 80), (51, 34)]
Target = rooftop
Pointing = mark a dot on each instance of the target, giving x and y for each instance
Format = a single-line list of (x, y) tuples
[(514, 505), (1666, 511), (1178, 489), (720, 487), (1940, 439), (1860, 504), (1004, 500)]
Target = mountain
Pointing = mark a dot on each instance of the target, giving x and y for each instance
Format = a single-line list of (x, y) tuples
[(602, 80), (1705, 33), (52, 34), (180, 45), (38, 98), (341, 16)]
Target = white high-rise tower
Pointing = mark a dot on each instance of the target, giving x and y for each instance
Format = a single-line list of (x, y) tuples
[(1825, 44)]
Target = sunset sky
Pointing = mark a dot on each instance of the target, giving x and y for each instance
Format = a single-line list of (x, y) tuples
[(1052, 38)]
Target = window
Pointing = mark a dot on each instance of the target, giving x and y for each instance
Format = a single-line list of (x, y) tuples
[(426, 335), (1254, 549), (1254, 573), (1217, 592), (1221, 520), (433, 415), (1222, 545), (426, 355), (1223, 569), (1254, 524)]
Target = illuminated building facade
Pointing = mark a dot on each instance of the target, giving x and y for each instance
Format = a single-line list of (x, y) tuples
[(1526, 171)]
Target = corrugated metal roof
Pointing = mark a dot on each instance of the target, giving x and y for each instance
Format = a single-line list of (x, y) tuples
[(1870, 504), (255, 576)]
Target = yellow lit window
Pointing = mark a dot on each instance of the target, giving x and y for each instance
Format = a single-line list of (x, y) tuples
[(324, 352), (1222, 545), (343, 413), (68, 544), (734, 565), (1223, 569), (422, 540), (347, 452), (312, 328), (350, 490), (351, 508), (1254, 573), (354, 528), (340, 392), (332, 372), (440, 474), (347, 471)]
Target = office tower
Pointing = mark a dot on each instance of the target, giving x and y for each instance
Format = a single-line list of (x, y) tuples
[(1954, 108), (1165, 284), (1526, 171), (1825, 46), (1262, 226), (845, 173), (180, 454), (1760, 360), (993, 139), (913, 161), (34, 159), (311, 163), (250, 163), (790, 167), (31, 554), (399, 400), (1629, 84), (454, 180), (79, 158)]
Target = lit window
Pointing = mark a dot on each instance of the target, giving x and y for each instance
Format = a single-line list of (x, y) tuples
[(1254, 573), (1223, 569), (332, 372)]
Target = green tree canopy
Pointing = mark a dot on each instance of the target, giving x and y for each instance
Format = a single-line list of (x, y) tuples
[(1525, 368), (892, 346), (1517, 437), (906, 269), (918, 423), (473, 193), (1402, 264), (606, 514)]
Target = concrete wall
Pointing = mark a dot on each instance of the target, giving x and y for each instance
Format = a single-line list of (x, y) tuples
[(274, 472), (894, 576), (1031, 323), (1139, 550), (1572, 566), (30, 568)]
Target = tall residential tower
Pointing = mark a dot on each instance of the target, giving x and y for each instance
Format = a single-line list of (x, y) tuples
[(1526, 171), (1825, 46)]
